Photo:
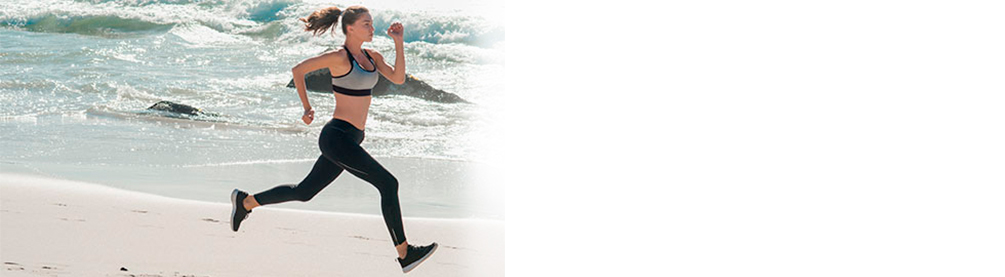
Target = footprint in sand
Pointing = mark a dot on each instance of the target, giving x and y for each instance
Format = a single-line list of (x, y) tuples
[(49, 267), (45, 269), (140, 275), (12, 266), (176, 274), (76, 220), (295, 230)]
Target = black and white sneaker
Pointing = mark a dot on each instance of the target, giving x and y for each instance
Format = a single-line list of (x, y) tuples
[(415, 256), (238, 213)]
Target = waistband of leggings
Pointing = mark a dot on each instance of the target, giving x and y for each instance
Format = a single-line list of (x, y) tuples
[(342, 125)]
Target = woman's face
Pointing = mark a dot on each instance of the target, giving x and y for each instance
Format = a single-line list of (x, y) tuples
[(363, 28)]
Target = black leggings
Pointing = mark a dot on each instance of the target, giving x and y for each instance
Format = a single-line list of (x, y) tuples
[(340, 150)]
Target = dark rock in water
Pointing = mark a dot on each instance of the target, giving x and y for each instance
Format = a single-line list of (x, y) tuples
[(173, 107), (176, 107), (415, 88), (317, 81), (321, 81)]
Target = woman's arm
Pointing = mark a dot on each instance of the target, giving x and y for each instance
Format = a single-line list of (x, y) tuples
[(300, 70), (394, 74)]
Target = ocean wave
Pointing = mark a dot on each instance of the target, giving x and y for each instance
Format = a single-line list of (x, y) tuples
[(267, 11), (121, 17), (200, 36), (265, 19), (440, 29), (101, 25), (457, 53), (140, 3), (271, 30)]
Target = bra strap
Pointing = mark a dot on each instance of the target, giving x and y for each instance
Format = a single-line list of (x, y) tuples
[(368, 57), (351, 59)]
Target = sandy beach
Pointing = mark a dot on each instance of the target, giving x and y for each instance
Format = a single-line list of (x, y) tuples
[(51, 227)]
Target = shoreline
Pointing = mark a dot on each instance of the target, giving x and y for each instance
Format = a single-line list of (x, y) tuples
[(431, 188), (70, 228)]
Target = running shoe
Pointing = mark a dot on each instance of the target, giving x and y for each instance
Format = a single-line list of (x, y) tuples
[(415, 256), (238, 214)]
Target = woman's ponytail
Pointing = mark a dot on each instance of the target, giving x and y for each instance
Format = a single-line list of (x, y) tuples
[(320, 21)]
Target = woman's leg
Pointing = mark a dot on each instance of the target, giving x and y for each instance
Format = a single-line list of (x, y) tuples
[(323, 173), (353, 158)]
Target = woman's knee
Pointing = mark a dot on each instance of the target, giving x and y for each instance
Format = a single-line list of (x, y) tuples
[(303, 195), (388, 185)]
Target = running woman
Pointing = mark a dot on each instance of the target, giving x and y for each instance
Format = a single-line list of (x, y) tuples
[(354, 71)]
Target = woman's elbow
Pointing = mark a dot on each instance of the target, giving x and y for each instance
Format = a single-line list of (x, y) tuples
[(398, 80), (297, 72)]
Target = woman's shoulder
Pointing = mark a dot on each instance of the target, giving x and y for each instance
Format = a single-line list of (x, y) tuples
[(373, 53), (337, 54)]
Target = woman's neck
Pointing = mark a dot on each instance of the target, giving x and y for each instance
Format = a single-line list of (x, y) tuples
[(353, 45)]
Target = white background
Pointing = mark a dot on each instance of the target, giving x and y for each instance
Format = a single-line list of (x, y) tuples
[(754, 138)]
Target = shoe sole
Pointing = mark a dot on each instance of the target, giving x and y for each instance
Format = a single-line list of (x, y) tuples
[(412, 266), (233, 210)]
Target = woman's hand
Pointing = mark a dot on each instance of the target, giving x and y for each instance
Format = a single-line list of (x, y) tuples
[(308, 116), (396, 31)]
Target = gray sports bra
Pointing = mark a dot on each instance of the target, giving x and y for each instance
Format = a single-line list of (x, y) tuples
[(358, 81)]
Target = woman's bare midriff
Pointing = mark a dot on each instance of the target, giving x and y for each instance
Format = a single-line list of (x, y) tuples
[(352, 109)]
